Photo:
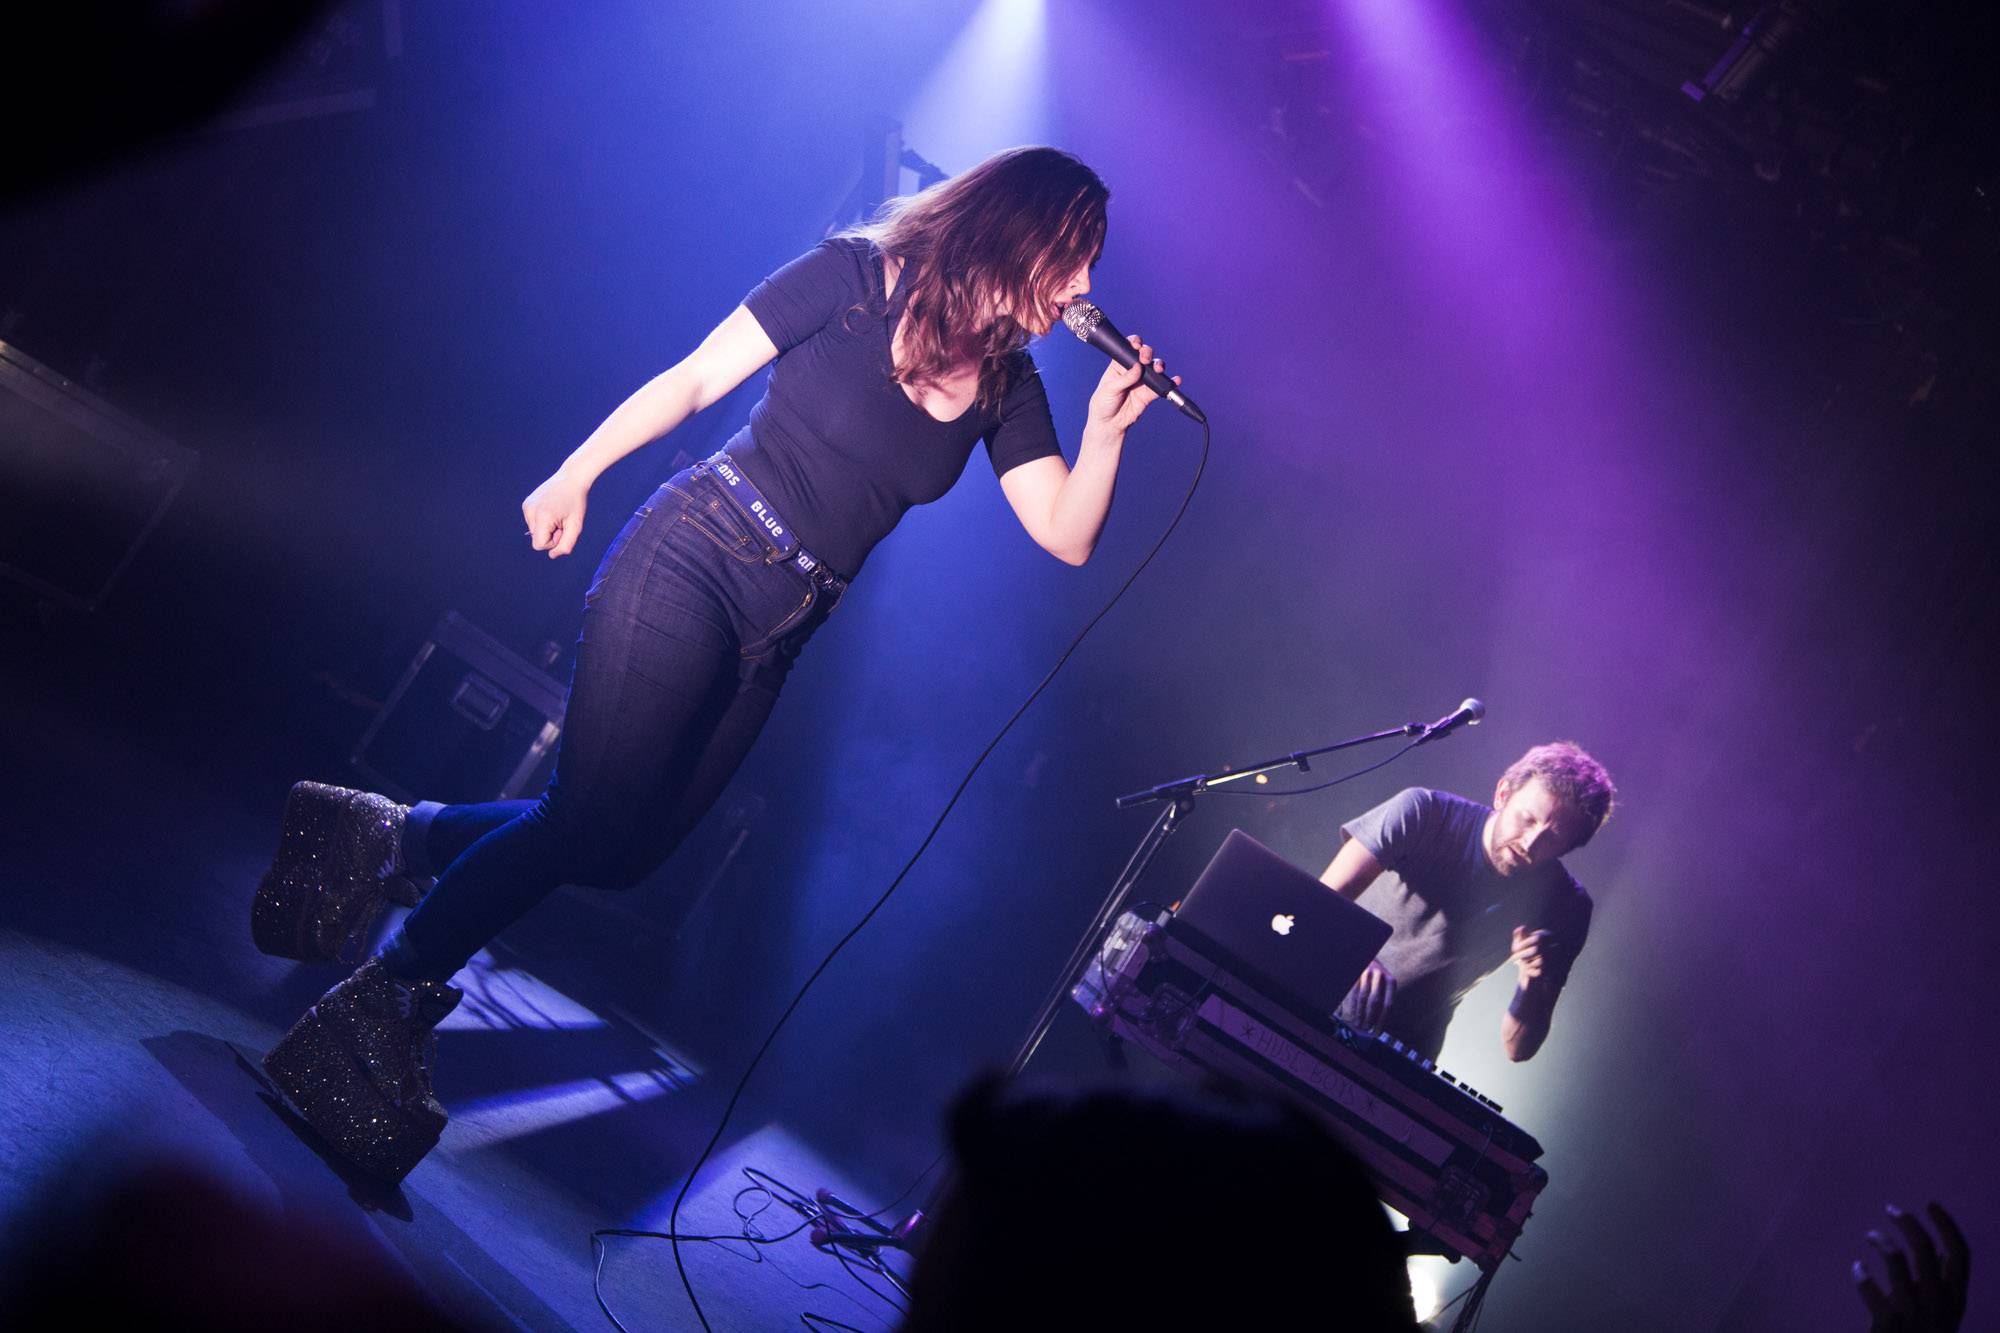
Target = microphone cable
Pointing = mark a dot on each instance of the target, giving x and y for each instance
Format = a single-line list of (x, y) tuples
[(673, 1218)]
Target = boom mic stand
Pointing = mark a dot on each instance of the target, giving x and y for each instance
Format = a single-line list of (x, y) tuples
[(1176, 799), (842, 1227)]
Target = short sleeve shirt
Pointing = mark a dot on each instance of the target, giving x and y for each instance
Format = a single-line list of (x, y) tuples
[(1453, 915), (838, 448)]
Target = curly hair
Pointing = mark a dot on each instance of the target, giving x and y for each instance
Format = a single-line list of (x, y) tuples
[(1003, 236), (1574, 778)]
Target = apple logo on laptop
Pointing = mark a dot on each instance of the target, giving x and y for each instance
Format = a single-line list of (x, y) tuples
[(1282, 923)]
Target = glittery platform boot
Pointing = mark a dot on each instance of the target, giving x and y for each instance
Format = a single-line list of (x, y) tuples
[(357, 1068), (337, 867)]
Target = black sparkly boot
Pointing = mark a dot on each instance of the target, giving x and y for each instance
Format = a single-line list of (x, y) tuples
[(357, 1068), (337, 867)]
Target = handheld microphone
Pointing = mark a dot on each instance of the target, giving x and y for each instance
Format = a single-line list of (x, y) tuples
[(1467, 714), (1087, 322)]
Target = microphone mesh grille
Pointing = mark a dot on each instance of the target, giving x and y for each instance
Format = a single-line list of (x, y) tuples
[(1082, 317)]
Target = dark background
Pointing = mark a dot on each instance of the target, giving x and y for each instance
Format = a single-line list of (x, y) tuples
[(1659, 425)]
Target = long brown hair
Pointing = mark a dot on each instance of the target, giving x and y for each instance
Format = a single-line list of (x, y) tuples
[(1003, 235)]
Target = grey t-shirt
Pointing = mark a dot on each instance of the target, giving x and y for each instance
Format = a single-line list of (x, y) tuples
[(1453, 913)]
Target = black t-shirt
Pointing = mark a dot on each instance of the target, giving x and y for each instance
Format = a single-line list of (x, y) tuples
[(1454, 914), (835, 444)]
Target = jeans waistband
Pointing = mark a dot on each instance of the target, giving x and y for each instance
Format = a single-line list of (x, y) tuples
[(786, 547)]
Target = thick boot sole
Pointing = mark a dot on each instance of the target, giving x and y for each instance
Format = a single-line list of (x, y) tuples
[(285, 918), (330, 1089)]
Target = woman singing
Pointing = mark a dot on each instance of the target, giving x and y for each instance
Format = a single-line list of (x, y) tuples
[(899, 346)]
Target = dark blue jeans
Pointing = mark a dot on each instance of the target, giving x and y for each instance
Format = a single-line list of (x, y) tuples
[(689, 629)]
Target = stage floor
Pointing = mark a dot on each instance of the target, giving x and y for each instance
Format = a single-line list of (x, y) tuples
[(133, 1007)]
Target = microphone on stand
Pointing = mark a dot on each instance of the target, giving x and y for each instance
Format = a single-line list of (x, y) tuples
[(1087, 322), (1467, 714)]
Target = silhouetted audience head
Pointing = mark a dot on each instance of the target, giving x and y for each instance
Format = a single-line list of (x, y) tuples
[(167, 1245), (1156, 1210)]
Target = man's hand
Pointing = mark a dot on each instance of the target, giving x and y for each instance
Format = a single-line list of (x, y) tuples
[(1526, 952), (1373, 994), (1925, 1279), (1525, 1025)]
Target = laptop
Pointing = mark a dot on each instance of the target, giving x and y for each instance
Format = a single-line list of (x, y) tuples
[(1298, 942)]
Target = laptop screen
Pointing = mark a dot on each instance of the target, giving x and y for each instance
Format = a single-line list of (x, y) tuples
[(1278, 928)]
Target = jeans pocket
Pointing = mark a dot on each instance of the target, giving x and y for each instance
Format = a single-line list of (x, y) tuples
[(716, 517)]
